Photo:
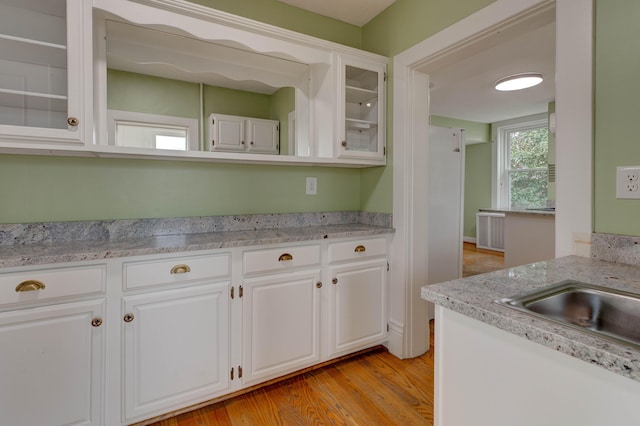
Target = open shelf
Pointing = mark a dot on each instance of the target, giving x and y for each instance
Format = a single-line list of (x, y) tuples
[(358, 95)]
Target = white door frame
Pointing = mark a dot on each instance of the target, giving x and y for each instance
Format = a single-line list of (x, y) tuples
[(574, 111)]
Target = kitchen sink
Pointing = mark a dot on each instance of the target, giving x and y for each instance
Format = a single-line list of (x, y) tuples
[(608, 313)]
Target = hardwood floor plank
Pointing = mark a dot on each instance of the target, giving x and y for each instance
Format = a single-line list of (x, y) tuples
[(353, 406), (370, 389), (382, 396)]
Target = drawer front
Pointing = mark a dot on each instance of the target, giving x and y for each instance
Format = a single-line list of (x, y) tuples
[(357, 250), (280, 259), (175, 270), (49, 284)]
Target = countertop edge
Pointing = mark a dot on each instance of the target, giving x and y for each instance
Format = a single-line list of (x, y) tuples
[(613, 357), (95, 250)]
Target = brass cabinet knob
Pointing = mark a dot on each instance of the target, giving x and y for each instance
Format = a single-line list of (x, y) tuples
[(72, 121), (344, 144), (284, 257), (30, 285), (180, 269), (360, 249), (251, 143), (334, 281), (96, 322), (319, 284), (128, 317)]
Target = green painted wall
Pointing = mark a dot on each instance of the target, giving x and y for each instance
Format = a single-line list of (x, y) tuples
[(142, 93), (292, 18), (53, 188), (282, 103), (66, 189), (617, 95), (407, 22), (477, 169), (400, 26)]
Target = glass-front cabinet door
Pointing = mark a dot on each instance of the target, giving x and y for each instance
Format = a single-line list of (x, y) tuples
[(44, 46), (361, 109)]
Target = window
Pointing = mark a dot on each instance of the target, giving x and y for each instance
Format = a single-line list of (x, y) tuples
[(141, 130), (522, 164)]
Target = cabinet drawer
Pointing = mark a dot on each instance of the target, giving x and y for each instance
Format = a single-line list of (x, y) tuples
[(357, 250), (280, 259), (175, 270), (24, 287)]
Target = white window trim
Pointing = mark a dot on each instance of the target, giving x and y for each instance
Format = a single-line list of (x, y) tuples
[(499, 191), (190, 124)]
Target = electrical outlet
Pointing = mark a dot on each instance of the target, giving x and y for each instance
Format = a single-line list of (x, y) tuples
[(627, 183), (312, 185)]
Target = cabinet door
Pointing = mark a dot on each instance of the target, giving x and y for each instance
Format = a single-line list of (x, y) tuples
[(227, 133), (357, 306), (263, 136), (45, 48), (280, 326), (51, 362), (176, 348), (361, 108)]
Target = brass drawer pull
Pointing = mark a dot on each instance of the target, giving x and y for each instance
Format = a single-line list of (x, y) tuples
[(128, 317), (284, 257), (96, 322), (30, 285), (319, 284), (180, 269), (334, 281), (360, 249)]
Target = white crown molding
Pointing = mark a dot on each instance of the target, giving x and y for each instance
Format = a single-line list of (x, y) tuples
[(185, 7)]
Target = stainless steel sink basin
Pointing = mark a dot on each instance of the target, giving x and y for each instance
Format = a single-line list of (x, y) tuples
[(608, 313)]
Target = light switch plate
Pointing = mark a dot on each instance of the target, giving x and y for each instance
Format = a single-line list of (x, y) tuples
[(628, 182), (312, 185)]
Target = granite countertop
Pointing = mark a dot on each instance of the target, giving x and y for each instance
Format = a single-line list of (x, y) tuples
[(474, 297), (538, 212), (95, 249)]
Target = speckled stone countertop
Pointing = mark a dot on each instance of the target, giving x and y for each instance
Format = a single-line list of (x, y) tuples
[(81, 250), (540, 212), (474, 297)]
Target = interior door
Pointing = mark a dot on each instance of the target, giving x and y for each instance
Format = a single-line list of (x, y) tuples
[(445, 185)]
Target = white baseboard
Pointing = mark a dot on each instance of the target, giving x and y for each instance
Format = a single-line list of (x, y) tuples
[(469, 240), (395, 343)]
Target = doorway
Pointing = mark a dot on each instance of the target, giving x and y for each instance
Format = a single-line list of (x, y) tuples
[(574, 20)]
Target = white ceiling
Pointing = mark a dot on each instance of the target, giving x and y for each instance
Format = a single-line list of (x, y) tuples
[(356, 12), (463, 82), (464, 89)]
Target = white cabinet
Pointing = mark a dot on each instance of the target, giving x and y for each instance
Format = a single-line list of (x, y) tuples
[(45, 58), (233, 133), (361, 108), (175, 343), (180, 329), (280, 311), (51, 346), (176, 348), (357, 296), (281, 324), (51, 365)]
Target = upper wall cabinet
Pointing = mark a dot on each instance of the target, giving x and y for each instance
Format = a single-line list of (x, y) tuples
[(157, 69), (361, 108), (45, 71)]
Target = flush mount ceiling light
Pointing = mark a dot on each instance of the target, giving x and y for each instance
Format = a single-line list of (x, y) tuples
[(518, 81)]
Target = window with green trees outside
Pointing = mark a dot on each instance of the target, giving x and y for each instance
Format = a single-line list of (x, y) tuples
[(525, 172)]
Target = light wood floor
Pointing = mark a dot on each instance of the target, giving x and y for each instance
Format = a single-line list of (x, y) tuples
[(478, 261), (375, 388)]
